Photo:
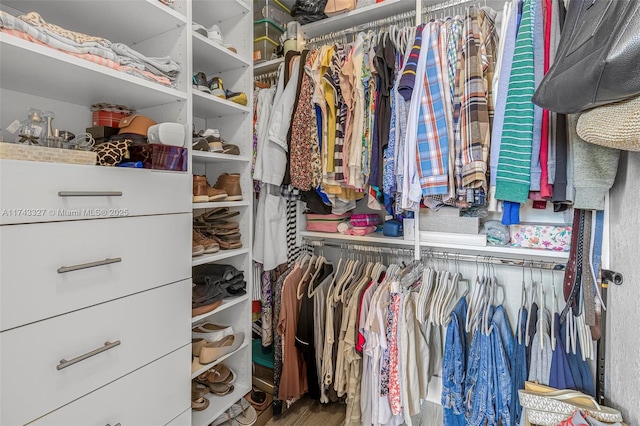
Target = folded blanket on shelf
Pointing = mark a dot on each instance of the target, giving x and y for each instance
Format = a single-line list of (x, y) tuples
[(36, 20), (93, 58), (32, 27), (157, 65), (11, 22)]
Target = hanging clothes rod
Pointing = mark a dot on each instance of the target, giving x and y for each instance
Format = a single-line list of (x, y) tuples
[(406, 17), (433, 254), (447, 5)]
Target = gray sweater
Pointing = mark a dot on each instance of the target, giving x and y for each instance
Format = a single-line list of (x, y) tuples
[(594, 169)]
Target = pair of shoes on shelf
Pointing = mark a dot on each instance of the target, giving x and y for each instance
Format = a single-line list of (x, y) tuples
[(258, 399), (210, 351), (213, 33), (215, 87), (212, 86), (218, 380), (227, 188), (198, 400), (209, 245), (240, 413), (210, 141)]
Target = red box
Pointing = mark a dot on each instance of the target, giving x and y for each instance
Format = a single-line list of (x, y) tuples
[(107, 118)]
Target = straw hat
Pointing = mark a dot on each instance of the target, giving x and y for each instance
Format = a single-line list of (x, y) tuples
[(615, 125)]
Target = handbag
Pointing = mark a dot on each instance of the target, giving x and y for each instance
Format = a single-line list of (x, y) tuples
[(597, 60), (336, 7)]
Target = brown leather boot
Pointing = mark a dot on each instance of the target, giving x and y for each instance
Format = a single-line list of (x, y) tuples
[(200, 185), (230, 183)]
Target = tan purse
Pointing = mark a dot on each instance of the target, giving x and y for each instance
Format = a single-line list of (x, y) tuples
[(336, 7)]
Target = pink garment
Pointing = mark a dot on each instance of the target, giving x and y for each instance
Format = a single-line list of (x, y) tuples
[(546, 190)]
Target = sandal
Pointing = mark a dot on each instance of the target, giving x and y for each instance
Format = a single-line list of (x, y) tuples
[(247, 415), (219, 374), (198, 390), (199, 404), (221, 389)]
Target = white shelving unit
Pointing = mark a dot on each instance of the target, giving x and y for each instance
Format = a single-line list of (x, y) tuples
[(38, 76), (33, 75), (235, 123)]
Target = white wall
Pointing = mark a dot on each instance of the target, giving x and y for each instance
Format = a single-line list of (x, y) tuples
[(623, 316)]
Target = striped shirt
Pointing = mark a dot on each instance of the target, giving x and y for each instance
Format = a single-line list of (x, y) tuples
[(512, 181)]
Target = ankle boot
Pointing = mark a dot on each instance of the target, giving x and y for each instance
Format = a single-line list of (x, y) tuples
[(230, 183), (200, 189)]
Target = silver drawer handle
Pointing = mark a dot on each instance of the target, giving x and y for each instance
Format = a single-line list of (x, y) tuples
[(108, 345), (90, 194), (117, 424), (63, 269)]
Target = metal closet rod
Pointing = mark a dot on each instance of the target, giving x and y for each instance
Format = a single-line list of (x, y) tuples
[(429, 253), (401, 17), (447, 4)]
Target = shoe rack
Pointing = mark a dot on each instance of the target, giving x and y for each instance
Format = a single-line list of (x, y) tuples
[(235, 124)]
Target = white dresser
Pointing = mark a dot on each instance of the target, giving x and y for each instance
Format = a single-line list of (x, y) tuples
[(94, 310)]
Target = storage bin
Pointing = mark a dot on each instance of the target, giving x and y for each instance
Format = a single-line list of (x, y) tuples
[(545, 237), (107, 118), (263, 49), (267, 28), (269, 9), (161, 157)]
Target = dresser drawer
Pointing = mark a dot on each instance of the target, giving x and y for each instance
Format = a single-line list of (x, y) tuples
[(36, 379), (152, 395), (183, 419), (148, 251), (47, 192)]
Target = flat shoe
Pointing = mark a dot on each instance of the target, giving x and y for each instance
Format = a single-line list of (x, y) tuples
[(196, 346), (211, 332), (201, 310), (215, 350)]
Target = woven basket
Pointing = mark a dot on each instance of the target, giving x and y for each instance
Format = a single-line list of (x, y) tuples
[(14, 151), (614, 125)]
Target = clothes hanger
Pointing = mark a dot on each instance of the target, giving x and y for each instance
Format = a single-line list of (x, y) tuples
[(312, 286), (533, 294), (523, 302), (554, 306), (473, 300), (310, 265), (543, 304)]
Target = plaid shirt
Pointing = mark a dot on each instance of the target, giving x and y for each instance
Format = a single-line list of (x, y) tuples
[(474, 114), (433, 135)]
